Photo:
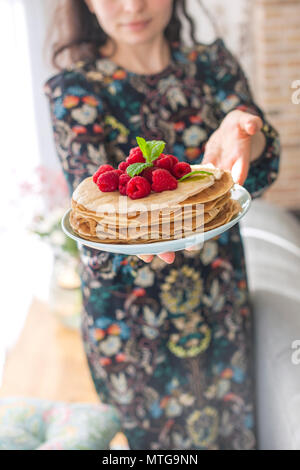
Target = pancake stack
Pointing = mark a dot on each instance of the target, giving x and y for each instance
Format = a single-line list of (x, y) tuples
[(199, 203)]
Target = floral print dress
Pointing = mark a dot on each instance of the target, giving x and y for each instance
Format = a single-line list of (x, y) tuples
[(169, 345)]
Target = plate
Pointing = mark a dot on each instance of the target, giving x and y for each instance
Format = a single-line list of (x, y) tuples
[(238, 193)]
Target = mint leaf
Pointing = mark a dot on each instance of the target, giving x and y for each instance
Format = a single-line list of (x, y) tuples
[(144, 147), (156, 147), (193, 173), (151, 149), (136, 168)]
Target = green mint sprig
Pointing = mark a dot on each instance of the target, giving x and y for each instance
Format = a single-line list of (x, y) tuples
[(195, 172), (151, 150)]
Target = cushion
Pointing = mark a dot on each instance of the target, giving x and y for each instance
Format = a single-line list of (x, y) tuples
[(30, 423)]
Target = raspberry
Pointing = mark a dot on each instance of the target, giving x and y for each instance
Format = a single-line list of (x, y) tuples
[(101, 169), (135, 150), (119, 172), (147, 173), (162, 180), (181, 169), (167, 162), (123, 165), (135, 156), (175, 159), (108, 181), (158, 158), (123, 180), (162, 155), (138, 187)]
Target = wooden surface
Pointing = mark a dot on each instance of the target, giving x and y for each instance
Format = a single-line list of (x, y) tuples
[(49, 362)]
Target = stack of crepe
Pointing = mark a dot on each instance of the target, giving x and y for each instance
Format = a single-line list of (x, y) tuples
[(198, 204)]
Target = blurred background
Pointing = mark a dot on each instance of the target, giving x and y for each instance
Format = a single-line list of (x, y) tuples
[(40, 348)]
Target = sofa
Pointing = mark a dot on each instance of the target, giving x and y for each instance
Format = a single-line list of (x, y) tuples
[(271, 238)]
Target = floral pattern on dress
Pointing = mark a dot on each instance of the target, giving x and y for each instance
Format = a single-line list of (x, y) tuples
[(170, 346)]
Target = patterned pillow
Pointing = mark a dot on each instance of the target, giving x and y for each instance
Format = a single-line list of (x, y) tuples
[(29, 423)]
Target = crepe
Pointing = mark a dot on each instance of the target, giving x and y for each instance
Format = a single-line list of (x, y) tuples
[(198, 204)]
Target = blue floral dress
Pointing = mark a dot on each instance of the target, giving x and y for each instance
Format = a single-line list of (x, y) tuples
[(169, 345)]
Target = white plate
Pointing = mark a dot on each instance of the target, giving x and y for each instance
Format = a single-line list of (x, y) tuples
[(238, 193)]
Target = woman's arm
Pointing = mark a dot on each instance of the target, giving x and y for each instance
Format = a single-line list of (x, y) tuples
[(77, 117), (232, 92)]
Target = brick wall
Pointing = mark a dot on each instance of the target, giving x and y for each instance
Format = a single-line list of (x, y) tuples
[(276, 65)]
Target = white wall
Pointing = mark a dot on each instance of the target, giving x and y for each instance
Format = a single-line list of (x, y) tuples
[(37, 16), (233, 22)]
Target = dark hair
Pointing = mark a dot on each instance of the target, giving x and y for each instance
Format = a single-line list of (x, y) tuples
[(75, 32)]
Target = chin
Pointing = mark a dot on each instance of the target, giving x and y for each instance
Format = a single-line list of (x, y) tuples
[(135, 39)]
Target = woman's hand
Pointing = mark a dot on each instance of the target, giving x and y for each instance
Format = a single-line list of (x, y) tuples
[(233, 145), (229, 148)]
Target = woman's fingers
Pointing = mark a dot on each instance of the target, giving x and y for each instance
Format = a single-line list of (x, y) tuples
[(146, 258), (240, 170), (209, 157), (168, 256), (250, 124), (194, 247)]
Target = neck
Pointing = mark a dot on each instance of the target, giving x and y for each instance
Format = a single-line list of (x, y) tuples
[(146, 58)]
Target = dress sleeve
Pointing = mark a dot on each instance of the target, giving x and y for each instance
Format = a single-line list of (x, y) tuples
[(232, 91), (77, 117)]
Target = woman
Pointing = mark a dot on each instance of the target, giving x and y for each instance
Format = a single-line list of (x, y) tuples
[(169, 343)]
